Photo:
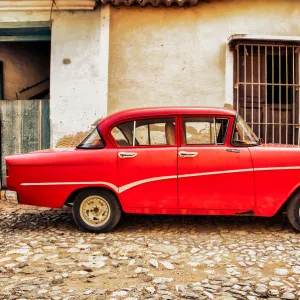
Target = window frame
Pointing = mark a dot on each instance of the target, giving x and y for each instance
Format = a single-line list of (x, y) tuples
[(232, 135), (182, 134), (113, 140), (276, 103), (116, 145), (92, 148)]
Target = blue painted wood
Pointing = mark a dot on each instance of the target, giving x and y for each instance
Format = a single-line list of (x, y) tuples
[(25, 31), (25, 38), (45, 124)]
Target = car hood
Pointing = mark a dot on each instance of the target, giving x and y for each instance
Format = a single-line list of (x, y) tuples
[(275, 155), (280, 146)]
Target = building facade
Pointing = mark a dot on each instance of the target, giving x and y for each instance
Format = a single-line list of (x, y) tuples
[(99, 58)]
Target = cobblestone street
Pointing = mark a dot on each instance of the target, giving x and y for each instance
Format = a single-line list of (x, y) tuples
[(45, 256)]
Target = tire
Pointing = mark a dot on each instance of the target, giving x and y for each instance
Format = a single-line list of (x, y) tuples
[(293, 211), (96, 210)]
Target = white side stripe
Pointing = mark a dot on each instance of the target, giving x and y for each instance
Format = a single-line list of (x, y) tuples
[(277, 168), (139, 182), (72, 183), (133, 184), (215, 173)]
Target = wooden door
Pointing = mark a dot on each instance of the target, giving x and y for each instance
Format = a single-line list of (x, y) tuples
[(25, 127)]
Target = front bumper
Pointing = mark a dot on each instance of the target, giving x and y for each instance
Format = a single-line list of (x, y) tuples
[(10, 196)]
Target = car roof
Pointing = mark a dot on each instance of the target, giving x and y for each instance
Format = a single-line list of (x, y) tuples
[(165, 111)]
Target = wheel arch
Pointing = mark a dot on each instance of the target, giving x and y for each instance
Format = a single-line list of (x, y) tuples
[(284, 205), (72, 196)]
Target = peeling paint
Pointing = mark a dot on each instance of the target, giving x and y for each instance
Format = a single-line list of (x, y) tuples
[(75, 88), (76, 100), (71, 140)]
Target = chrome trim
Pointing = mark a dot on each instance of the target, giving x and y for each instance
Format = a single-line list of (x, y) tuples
[(277, 168), (139, 182), (233, 150), (215, 134), (215, 173), (133, 138), (72, 183), (185, 154), (127, 154), (136, 183)]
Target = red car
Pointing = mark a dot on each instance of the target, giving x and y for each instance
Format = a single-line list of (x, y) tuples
[(174, 160)]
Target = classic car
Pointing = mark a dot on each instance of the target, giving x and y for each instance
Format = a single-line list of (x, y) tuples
[(164, 160)]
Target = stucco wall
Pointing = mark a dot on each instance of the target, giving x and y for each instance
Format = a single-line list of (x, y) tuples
[(74, 101), (76, 85), (176, 56), (24, 64)]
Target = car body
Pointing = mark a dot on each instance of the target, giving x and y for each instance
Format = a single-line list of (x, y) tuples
[(163, 160)]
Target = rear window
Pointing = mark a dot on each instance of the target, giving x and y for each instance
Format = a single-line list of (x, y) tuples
[(92, 141)]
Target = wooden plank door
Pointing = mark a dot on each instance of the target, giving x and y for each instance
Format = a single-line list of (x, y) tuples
[(24, 127)]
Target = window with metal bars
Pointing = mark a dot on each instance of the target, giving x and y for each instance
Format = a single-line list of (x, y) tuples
[(266, 89)]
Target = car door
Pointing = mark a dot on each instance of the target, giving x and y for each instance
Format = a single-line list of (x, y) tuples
[(213, 175), (147, 164)]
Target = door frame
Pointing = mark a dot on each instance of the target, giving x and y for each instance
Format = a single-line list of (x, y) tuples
[(226, 145)]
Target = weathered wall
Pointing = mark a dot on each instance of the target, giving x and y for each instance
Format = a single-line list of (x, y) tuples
[(176, 56), (24, 64), (158, 56), (74, 88)]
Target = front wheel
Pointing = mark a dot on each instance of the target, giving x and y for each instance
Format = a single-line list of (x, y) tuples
[(293, 211), (96, 210)]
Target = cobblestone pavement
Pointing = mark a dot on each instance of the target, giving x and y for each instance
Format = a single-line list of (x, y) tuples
[(45, 256)]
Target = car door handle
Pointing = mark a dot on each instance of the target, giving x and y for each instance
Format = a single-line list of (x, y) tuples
[(233, 150), (185, 154), (127, 154)]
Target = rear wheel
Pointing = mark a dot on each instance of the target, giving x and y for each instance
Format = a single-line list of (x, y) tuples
[(96, 210), (293, 211)]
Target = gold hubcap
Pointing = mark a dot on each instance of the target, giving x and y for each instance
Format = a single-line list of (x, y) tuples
[(94, 210)]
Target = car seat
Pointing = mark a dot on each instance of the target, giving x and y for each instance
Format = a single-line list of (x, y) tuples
[(170, 133)]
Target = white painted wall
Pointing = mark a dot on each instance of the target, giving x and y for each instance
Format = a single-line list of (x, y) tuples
[(157, 56), (177, 56), (75, 90), (75, 97)]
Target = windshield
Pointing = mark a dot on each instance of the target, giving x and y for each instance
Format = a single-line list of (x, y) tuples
[(92, 141), (243, 134)]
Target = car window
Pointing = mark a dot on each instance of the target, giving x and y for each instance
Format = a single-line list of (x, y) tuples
[(93, 140), (120, 137), (243, 134), (204, 131), (123, 133), (146, 132)]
